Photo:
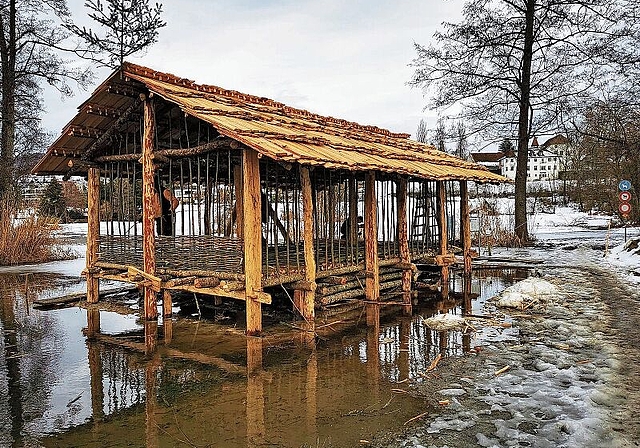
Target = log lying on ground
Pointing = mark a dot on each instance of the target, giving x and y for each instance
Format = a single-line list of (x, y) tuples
[(71, 298)]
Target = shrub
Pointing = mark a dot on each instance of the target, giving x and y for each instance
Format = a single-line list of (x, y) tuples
[(28, 240)]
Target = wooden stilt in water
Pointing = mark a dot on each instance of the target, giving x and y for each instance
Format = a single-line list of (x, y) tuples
[(465, 226), (372, 279), (150, 337), (252, 231), (93, 233), (148, 223), (403, 242), (304, 299), (441, 208)]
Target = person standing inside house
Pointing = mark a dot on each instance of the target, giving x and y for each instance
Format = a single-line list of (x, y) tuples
[(165, 206)]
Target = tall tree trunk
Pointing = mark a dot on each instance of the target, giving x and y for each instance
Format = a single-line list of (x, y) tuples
[(8, 109), (521, 229)]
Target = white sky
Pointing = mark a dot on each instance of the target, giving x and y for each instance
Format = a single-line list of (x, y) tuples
[(344, 58)]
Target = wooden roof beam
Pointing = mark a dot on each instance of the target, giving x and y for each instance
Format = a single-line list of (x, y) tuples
[(120, 122)]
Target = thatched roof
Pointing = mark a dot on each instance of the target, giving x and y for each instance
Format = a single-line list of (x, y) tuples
[(273, 129)]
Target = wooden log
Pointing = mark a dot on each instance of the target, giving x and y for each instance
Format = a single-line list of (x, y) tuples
[(72, 298), (93, 233), (150, 281), (334, 280), (202, 273), (305, 300), (206, 282), (353, 293), (282, 280), (303, 285), (327, 290), (230, 285), (179, 281), (252, 225), (465, 226), (372, 282), (406, 266), (148, 235)]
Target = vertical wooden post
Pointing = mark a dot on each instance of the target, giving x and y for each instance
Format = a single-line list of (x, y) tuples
[(305, 299), (465, 226), (252, 231), (148, 223), (441, 207), (237, 184), (352, 236), (167, 303), (93, 232), (403, 238), (372, 280)]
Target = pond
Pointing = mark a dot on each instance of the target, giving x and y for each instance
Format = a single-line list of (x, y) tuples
[(91, 377)]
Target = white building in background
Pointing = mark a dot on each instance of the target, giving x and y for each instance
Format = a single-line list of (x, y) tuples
[(546, 162)]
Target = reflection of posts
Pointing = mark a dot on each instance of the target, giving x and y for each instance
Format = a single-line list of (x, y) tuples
[(164, 209), (255, 393)]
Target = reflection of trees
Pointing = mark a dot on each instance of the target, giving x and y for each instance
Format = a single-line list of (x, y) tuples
[(28, 355)]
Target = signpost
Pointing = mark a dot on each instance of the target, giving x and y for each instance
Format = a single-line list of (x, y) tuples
[(625, 205)]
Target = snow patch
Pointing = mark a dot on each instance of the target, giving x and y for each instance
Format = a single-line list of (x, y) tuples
[(443, 322), (526, 293)]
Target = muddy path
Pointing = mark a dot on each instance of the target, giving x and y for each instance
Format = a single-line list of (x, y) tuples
[(573, 377)]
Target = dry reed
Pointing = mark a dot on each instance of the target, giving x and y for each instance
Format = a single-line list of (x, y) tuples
[(27, 240)]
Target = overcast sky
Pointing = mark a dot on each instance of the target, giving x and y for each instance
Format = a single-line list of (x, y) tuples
[(345, 58)]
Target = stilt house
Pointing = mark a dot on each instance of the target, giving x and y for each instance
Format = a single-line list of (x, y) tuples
[(197, 188)]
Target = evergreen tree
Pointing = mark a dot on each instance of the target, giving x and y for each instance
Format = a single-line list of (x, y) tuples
[(129, 26), (52, 201)]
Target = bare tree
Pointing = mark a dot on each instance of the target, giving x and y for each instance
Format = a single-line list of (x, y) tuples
[(518, 67), (439, 135), (422, 133), (129, 27), (459, 131), (30, 40)]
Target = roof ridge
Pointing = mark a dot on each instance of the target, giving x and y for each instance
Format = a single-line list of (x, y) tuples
[(139, 70)]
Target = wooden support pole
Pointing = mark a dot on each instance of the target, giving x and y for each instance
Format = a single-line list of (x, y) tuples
[(465, 226), (305, 299), (167, 303), (441, 207), (403, 238), (148, 223), (237, 183), (252, 231), (372, 275), (93, 233), (353, 212)]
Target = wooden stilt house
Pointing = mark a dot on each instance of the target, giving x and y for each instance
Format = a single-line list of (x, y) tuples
[(193, 187)]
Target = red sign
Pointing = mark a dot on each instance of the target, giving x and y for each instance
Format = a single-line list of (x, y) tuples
[(624, 196), (624, 208)]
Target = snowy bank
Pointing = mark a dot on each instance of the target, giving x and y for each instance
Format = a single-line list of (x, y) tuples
[(627, 257)]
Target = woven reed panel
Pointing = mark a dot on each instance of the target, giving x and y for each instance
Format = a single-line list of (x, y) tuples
[(206, 252)]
